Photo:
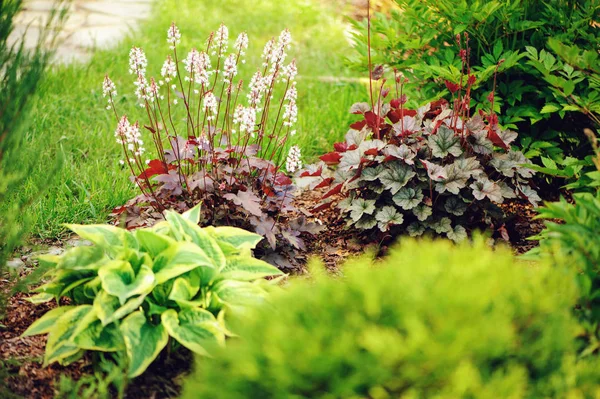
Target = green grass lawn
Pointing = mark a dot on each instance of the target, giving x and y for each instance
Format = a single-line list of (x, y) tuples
[(69, 119)]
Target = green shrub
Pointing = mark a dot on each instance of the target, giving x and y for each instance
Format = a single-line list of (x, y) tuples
[(418, 40), (136, 292), (431, 320)]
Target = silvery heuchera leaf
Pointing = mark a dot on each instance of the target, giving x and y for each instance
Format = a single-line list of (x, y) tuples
[(415, 229), (506, 190), (408, 124), (475, 124), (366, 223), (485, 188), (503, 165), (402, 152), (388, 216), (458, 234), (443, 225), (455, 206), (345, 204), (247, 200), (370, 145), (444, 142), (355, 137), (350, 160), (360, 207), (519, 159), (376, 187), (453, 182), (507, 136), (360, 108), (407, 198), (342, 176), (395, 176), (371, 174), (468, 167), (435, 172), (422, 212), (481, 144), (531, 195)]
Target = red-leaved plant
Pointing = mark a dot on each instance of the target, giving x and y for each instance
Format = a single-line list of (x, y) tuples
[(229, 151), (435, 168)]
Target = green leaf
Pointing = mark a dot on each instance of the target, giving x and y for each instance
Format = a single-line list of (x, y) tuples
[(153, 243), (108, 307), (193, 214), (143, 341), (59, 346), (46, 322), (40, 298), (422, 212), (90, 334), (360, 207), (184, 289), (550, 108), (105, 235), (247, 268), (444, 142), (240, 293), (407, 198), (458, 234), (233, 240), (396, 175), (119, 280), (209, 245), (196, 329), (82, 258), (178, 259), (388, 216)]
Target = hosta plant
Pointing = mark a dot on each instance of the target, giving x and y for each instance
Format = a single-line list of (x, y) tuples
[(213, 141), (139, 292), (434, 168)]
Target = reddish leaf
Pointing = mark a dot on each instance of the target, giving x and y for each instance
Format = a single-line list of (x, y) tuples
[(495, 139), (341, 147), (316, 173), (331, 158), (472, 79), (385, 92), (358, 125), (335, 190), (325, 183), (150, 128), (377, 72), (269, 192), (155, 167), (372, 119), (282, 179), (397, 114), (372, 151), (453, 87), (504, 233), (322, 207)]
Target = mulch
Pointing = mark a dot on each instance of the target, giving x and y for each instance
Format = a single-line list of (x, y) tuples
[(22, 357)]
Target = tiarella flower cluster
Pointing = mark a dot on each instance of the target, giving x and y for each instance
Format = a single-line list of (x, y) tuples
[(221, 41), (108, 90), (137, 61), (197, 65), (257, 87), (246, 118), (168, 70), (290, 110), (241, 44), (173, 36), (293, 161), (130, 137), (230, 69), (210, 105), (278, 54)]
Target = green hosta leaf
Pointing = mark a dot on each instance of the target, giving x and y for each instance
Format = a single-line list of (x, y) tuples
[(178, 259), (388, 216), (90, 334), (233, 240), (108, 308), (455, 206), (408, 198), (236, 293), (422, 212), (143, 340), (415, 229), (246, 268), (196, 329), (485, 188), (105, 236), (457, 234), (360, 207), (396, 175), (82, 258), (193, 215), (210, 246), (153, 243), (40, 298), (46, 322), (366, 223), (59, 346), (184, 289), (443, 225), (119, 280), (444, 142)]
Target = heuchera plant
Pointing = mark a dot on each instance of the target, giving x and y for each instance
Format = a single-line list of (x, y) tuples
[(229, 152), (435, 168), (138, 292)]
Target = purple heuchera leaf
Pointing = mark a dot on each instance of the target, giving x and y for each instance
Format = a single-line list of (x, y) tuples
[(171, 182), (247, 200)]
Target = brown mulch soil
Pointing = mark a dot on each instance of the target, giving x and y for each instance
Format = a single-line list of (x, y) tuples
[(22, 357)]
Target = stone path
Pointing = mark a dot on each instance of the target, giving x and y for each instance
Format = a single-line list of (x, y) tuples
[(90, 24)]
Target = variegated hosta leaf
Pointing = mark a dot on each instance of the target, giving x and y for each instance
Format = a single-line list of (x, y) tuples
[(442, 225), (360, 207), (45, 323), (152, 242), (481, 144), (395, 176), (245, 268), (59, 346), (434, 171), (118, 279), (444, 143), (233, 240), (455, 206), (408, 198), (388, 216), (531, 195), (178, 259), (110, 238), (422, 212), (108, 308), (454, 181), (366, 223), (196, 329), (457, 234), (82, 258), (403, 152), (143, 341), (238, 293), (485, 188), (90, 334), (184, 289), (415, 229)]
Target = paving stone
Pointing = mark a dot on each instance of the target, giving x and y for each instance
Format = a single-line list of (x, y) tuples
[(98, 37), (128, 10), (15, 263)]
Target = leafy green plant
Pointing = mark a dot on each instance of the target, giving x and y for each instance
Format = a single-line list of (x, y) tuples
[(430, 320), (139, 292), (417, 40), (435, 168)]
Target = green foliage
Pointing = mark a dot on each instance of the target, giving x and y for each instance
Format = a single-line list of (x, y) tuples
[(136, 292), (542, 84), (430, 320)]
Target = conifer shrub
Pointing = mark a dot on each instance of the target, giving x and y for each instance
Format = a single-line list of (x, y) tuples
[(430, 320)]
